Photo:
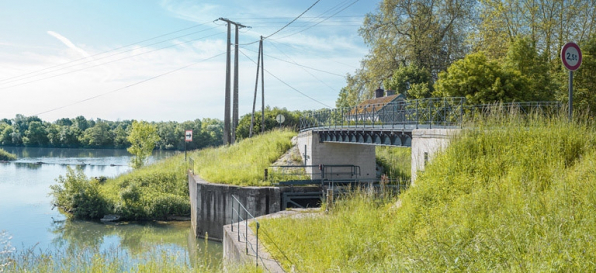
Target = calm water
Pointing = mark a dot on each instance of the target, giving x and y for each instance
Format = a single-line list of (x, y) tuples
[(26, 212)]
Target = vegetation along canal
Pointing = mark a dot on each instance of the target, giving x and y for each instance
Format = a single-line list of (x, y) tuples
[(28, 218)]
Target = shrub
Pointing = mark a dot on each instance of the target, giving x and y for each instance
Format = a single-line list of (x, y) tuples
[(4, 155), (78, 195)]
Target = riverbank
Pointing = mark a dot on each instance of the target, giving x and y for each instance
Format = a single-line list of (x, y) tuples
[(6, 156), (517, 198), (160, 191)]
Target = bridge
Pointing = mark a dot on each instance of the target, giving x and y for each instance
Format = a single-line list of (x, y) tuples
[(347, 136)]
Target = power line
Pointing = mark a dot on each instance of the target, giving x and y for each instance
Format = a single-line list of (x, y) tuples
[(354, 2), (104, 57), (114, 49), (263, 38), (324, 83), (292, 20), (287, 83), (85, 68), (297, 64), (128, 86)]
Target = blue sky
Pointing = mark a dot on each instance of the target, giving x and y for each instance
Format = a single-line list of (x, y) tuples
[(115, 59)]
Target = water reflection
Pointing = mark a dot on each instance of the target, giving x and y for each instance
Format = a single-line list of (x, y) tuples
[(137, 238)]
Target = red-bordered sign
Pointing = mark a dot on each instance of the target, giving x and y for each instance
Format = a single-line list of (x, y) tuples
[(188, 136), (571, 56)]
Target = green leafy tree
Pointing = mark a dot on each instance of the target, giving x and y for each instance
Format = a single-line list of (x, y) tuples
[(523, 57), (412, 81), (35, 135), (427, 33), (143, 138), (292, 120), (584, 80), (481, 81)]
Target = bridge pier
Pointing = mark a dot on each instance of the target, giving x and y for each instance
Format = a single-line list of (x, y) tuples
[(425, 144), (326, 153)]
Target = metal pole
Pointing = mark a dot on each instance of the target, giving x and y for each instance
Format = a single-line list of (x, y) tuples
[(226, 132), (570, 95), (258, 226), (235, 102), (254, 101), (262, 87)]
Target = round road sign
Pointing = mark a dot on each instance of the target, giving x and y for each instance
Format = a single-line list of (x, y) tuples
[(280, 118), (571, 56)]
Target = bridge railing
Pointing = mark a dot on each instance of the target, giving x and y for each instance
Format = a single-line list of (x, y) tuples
[(432, 111), (429, 112)]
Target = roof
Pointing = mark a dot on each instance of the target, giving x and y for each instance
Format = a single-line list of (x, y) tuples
[(375, 104)]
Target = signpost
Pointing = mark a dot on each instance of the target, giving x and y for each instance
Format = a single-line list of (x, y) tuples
[(280, 119), (187, 139), (571, 56)]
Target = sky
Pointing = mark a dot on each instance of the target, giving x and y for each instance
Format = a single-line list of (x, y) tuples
[(164, 60)]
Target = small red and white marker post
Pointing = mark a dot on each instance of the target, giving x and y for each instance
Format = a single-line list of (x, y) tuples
[(571, 56)]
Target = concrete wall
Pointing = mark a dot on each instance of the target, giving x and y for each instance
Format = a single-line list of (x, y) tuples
[(425, 144), (336, 154), (211, 204)]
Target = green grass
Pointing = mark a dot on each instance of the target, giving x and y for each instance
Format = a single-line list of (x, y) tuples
[(396, 161), (160, 190), (243, 163), (113, 260), (512, 195), (4, 155)]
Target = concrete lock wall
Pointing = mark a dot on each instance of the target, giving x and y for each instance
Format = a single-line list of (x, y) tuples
[(326, 153), (211, 204), (425, 144)]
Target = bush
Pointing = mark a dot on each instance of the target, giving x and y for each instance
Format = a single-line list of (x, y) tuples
[(78, 195), (4, 155)]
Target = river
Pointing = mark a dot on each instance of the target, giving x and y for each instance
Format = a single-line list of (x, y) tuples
[(26, 212)]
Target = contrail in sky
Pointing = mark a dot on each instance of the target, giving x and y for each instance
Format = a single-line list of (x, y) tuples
[(72, 46)]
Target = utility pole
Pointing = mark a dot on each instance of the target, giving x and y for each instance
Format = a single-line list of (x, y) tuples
[(262, 87), (229, 134)]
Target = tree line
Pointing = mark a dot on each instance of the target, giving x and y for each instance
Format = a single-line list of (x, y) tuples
[(80, 132), (484, 50)]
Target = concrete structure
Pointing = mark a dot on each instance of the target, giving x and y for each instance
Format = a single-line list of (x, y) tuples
[(318, 153), (210, 203), (425, 144)]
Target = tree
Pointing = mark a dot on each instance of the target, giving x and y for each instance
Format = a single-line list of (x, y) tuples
[(584, 88), (142, 138), (481, 81), (523, 57), (35, 135), (427, 33), (412, 81), (292, 120)]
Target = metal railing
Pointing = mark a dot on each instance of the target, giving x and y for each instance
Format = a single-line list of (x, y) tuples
[(414, 113), (237, 209), (315, 173), (431, 111)]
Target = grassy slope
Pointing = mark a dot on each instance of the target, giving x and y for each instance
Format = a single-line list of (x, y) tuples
[(161, 189), (4, 155), (243, 163), (521, 198)]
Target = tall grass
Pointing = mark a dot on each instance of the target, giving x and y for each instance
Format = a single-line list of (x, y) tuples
[(396, 161), (113, 260), (244, 162), (4, 155), (513, 194)]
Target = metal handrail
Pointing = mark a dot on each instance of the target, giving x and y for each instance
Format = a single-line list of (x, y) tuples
[(429, 112), (191, 164), (248, 217)]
